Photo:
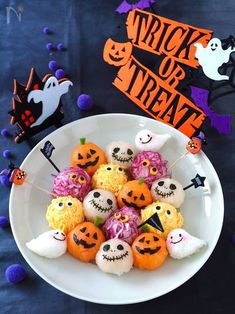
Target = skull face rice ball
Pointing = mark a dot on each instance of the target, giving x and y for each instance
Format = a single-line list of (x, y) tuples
[(72, 181), (120, 153), (122, 224), (115, 257), (64, 213), (169, 217), (150, 166), (169, 191), (99, 203), (109, 177)]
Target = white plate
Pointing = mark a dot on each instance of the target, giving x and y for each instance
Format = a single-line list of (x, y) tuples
[(203, 211)]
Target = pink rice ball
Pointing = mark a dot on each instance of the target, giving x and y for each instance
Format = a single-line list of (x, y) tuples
[(150, 166), (122, 224), (75, 182)]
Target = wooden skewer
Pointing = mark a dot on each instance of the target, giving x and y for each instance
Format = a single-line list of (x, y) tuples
[(40, 188), (177, 160)]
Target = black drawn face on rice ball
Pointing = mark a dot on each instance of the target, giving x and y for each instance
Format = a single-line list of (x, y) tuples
[(168, 190), (121, 153), (99, 203), (115, 257)]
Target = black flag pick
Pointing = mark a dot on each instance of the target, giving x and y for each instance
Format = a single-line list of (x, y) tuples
[(153, 221), (47, 152)]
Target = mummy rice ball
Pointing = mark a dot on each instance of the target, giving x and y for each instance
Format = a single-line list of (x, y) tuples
[(109, 177), (115, 257), (122, 224), (99, 203), (72, 181), (64, 213), (169, 191), (169, 217), (150, 166), (120, 153), (51, 244)]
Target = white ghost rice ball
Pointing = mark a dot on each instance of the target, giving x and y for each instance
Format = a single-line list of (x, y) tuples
[(169, 191), (51, 244), (120, 153), (99, 203), (181, 244), (115, 257)]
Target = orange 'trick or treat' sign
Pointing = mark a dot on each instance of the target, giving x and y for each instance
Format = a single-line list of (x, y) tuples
[(158, 98), (160, 35), (115, 53)]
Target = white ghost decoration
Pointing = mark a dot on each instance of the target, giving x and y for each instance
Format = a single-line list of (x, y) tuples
[(181, 244), (115, 257), (212, 57), (99, 203), (120, 153), (51, 244), (147, 140), (169, 191), (49, 96)]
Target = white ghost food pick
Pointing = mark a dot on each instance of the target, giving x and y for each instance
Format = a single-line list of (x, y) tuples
[(212, 57), (181, 244), (51, 244), (147, 140), (121, 153), (99, 203), (169, 191), (115, 257)]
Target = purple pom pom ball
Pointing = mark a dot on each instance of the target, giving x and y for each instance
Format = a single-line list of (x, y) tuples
[(59, 73), (85, 102), (7, 154), (4, 132), (60, 47), (4, 180), (4, 222), (49, 46), (46, 30), (15, 273), (53, 65)]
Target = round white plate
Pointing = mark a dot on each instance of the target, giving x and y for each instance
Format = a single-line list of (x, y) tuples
[(203, 211)]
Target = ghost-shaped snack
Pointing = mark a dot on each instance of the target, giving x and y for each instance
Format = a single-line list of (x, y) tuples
[(181, 244), (147, 140), (120, 153), (72, 181), (99, 203), (50, 244), (115, 257), (169, 191)]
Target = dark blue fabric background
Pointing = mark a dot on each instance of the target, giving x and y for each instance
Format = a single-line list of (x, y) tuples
[(83, 26)]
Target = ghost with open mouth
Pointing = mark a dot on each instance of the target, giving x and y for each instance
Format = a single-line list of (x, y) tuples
[(115, 257), (169, 191), (181, 244), (99, 203), (120, 153), (51, 244)]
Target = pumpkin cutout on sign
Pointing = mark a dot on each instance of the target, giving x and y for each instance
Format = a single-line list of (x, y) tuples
[(87, 156), (117, 54)]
